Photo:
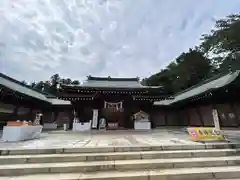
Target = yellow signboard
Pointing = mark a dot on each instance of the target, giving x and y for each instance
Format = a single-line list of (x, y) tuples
[(205, 134)]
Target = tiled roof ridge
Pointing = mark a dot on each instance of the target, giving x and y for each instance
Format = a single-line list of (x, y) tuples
[(109, 78)]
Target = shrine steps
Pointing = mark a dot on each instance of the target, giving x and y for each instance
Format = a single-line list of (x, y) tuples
[(113, 156), (211, 173), (28, 151), (212, 161)]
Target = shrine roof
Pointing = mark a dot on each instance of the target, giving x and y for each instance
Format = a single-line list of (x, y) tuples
[(109, 82), (24, 89), (208, 85), (109, 78)]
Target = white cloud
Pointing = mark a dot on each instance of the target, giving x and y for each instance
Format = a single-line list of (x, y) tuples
[(76, 38)]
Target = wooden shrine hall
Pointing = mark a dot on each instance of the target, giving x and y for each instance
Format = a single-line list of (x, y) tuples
[(193, 106), (121, 101), (114, 99), (21, 102)]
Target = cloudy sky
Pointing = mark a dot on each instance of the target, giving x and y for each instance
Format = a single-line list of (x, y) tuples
[(120, 38)]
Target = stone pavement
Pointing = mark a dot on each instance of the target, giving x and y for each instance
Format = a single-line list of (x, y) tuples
[(53, 139), (165, 154), (63, 139)]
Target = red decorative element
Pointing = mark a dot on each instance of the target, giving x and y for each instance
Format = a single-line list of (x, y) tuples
[(194, 133)]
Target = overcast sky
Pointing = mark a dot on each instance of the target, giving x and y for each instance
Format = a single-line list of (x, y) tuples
[(118, 38)]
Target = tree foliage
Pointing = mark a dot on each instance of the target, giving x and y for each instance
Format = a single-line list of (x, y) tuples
[(217, 53), (187, 70), (224, 38), (51, 85)]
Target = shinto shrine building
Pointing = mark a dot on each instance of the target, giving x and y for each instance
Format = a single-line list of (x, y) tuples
[(115, 99), (118, 99)]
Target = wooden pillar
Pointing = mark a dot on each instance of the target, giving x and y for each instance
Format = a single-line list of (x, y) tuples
[(200, 115), (15, 113), (214, 106), (188, 117), (29, 115), (71, 117), (236, 115), (166, 117)]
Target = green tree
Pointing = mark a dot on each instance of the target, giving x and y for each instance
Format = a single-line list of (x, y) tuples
[(75, 82), (224, 39), (39, 86), (33, 84), (51, 86), (24, 82), (187, 70), (223, 44), (192, 68)]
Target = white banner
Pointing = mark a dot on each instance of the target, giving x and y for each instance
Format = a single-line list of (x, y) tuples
[(216, 119), (95, 118)]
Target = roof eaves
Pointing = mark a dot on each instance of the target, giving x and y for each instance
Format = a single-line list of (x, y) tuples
[(185, 95), (111, 87), (21, 88), (55, 101), (109, 78), (203, 82)]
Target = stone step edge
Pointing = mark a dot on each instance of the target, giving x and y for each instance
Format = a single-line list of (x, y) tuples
[(118, 149), (205, 173), (125, 153), (89, 157), (226, 160)]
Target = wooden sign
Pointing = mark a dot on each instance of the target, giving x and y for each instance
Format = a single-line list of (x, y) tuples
[(205, 134)]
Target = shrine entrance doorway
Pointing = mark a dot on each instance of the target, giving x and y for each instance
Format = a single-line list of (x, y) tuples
[(113, 112)]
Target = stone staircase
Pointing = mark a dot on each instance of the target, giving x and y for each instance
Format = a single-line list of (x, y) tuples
[(175, 162)]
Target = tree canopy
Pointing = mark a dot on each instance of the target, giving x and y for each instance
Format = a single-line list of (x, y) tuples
[(188, 69), (50, 86), (224, 38), (217, 53)]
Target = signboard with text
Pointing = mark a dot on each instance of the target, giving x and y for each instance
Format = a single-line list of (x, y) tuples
[(205, 134)]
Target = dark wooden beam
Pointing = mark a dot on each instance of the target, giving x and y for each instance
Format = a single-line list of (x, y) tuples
[(200, 115)]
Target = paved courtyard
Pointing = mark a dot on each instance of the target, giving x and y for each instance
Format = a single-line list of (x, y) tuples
[(62, 139), (102, 139)]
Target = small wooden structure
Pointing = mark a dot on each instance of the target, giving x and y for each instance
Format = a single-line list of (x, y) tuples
[(141, 115)]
